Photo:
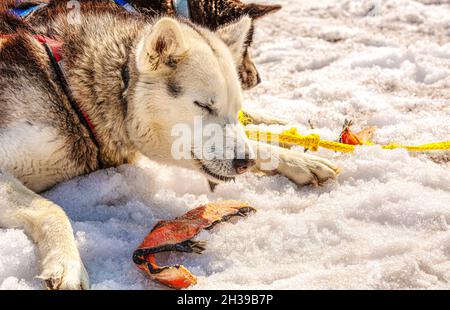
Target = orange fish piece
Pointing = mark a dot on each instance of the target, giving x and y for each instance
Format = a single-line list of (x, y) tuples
[(176, 235)]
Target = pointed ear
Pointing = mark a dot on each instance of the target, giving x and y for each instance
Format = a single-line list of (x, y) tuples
[(165, 46), (256, 11), (236, 35)]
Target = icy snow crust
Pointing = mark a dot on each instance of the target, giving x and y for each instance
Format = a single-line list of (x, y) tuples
[(383, 224)]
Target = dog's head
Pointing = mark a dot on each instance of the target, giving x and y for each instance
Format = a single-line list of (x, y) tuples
[(186, 96)]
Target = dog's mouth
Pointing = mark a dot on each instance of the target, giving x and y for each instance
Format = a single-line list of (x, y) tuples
[(212, 175)]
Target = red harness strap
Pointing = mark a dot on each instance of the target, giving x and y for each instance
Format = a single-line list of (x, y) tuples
[(55, 46)]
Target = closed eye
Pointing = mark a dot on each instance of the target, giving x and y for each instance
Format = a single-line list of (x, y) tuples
[(205, 107)]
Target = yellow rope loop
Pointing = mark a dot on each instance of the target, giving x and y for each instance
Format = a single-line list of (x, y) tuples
[(312, 142)]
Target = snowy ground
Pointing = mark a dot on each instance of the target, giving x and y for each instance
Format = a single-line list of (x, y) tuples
[(383, 224)]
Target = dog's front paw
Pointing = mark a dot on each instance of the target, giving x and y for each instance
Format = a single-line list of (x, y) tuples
[(304, 169), (64, 273)]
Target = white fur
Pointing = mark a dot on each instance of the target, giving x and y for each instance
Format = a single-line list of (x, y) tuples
[(35, 155)]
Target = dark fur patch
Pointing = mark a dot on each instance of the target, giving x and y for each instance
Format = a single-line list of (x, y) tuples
[(160, 46), (174, 88), (125, 73)]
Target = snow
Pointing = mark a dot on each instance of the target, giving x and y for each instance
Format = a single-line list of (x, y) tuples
[(384, 224)]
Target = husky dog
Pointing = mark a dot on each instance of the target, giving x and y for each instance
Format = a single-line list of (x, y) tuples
[(133, 80), (209, 13)]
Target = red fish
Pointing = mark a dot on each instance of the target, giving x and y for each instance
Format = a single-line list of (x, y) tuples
[(176, 235)]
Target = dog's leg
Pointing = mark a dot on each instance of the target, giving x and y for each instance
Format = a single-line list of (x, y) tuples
[(47, 225), (259, 118), (301, 168)]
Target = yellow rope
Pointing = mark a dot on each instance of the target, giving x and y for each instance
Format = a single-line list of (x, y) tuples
[(313, 141), (420, 148)]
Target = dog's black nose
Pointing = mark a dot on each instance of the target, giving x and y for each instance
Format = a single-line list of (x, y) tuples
[(242, 165)]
